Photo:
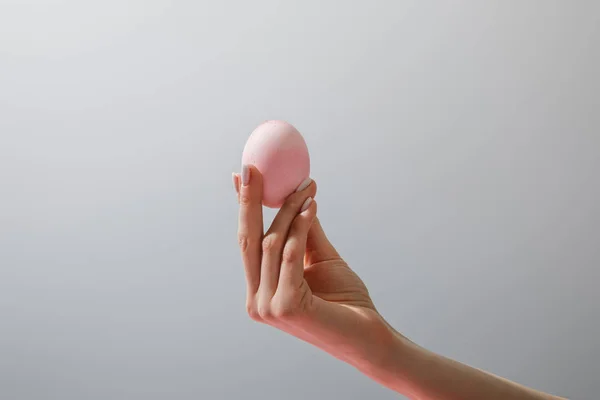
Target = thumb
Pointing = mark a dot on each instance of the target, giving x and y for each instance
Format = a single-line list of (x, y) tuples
[(318, 246)]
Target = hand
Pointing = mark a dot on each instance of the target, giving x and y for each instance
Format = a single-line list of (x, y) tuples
[(298, 283)]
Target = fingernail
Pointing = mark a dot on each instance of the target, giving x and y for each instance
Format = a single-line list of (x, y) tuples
[(306, 204), (304, 185), (235, 181), (245, 175)]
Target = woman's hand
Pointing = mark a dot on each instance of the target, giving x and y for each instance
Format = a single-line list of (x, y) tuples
[(297, 282)]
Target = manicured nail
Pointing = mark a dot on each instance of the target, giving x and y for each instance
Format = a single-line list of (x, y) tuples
[(304, 185), (306, 204), (245, 175), (234, 176)]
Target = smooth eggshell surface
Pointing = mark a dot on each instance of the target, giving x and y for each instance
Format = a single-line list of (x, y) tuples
[(280, 153)]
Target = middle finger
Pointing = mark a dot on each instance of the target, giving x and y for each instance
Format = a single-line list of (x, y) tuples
[(276, 236)]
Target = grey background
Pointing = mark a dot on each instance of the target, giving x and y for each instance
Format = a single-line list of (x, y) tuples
[(468, 130)]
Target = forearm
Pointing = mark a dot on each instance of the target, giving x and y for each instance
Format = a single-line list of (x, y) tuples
[(420, 374)]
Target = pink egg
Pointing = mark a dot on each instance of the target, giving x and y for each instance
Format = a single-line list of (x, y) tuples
[(280, 153)]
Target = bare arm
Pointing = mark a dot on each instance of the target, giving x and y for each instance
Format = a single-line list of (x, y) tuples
[(421, 374), (297, 282)]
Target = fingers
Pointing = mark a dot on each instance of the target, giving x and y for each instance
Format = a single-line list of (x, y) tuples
[(276, 237), (292, 258), (318, 246), (281, 249), (250, 224)]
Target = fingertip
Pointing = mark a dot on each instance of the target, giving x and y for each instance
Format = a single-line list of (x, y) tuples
[(250, 185), (308, 186), (254, 172), (246, 175), (307, 195), (250, 174), (306, 183), (309, 208), (312, 188), (306, 204), (304, 219)]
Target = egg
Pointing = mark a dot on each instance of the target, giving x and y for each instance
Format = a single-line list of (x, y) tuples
[(280, 153)]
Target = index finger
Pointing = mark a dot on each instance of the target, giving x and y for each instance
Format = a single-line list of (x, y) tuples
[(250, 225)]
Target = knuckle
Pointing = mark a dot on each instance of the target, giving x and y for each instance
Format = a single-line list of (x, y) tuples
[(270, 243), (243, 241), (290, 255), (264, 312), (252, 312), (245, 199)]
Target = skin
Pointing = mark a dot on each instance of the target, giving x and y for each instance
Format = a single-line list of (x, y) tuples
[(297, 282)]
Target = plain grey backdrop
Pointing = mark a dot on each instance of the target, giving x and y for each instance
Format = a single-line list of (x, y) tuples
[(456, 145)]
